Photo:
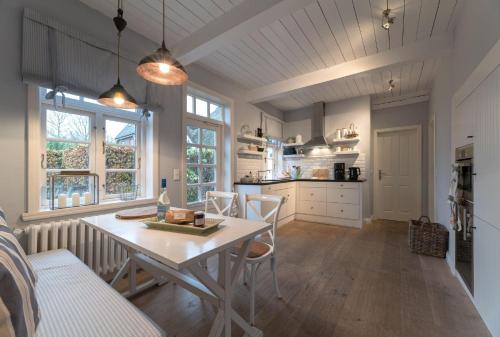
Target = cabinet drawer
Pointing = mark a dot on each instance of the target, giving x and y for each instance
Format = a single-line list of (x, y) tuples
[(344, 211), (313, 194), (312, 208), (343, 196), (348, 185), (312, 184)]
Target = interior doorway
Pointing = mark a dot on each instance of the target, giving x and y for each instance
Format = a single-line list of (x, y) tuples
[(398, 173)]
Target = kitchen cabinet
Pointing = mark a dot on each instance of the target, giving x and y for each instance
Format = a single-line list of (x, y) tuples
[(487, 273), (338, 203), (484, 102), (287, 190)]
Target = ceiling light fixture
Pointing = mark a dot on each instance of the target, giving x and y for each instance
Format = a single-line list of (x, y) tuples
[(117, 96), (391, 86), (387, 19), (161, 67)]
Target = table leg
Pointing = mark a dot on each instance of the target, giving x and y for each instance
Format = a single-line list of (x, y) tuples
[(228, 294)]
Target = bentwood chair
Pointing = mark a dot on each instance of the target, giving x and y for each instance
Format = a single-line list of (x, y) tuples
[(223, 202), (261, 249)]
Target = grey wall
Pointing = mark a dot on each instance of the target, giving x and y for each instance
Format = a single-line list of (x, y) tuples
[(13, 95), (412, 114)]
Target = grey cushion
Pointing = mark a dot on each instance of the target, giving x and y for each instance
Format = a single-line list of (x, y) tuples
[(75, 302), (19, 314)]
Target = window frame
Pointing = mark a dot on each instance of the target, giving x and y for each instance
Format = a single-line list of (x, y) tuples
[(190, 118), (146, 147)]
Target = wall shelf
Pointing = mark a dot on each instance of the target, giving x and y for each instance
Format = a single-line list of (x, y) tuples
[(346, 153), (251, 139), (293, 156), (345, 140), (292, 144), (250, 153)]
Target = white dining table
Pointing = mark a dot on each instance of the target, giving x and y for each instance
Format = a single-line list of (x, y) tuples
[(165, 254)]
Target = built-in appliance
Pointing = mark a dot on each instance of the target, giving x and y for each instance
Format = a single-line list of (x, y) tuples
[(354, 173), (339, 171), (318, 139), (464, 228)]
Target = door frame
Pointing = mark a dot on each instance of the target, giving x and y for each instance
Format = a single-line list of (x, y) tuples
[(416, 127)]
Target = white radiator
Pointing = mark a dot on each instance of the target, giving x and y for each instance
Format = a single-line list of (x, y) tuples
[(97, 250)]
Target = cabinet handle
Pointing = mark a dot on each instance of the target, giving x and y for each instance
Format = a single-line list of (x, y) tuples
[(341, 185), (341, 195), (470, 137), (311, 207), (312, 194), (341, 211)]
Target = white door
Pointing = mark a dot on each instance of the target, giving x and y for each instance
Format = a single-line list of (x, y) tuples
[(397, 175)]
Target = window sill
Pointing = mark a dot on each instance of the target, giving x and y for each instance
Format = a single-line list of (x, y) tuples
[(105, 206)]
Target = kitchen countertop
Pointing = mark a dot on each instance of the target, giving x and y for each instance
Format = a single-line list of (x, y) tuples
[(281, 181)]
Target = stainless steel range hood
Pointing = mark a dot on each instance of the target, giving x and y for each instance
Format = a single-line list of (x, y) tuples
[(318, 139)]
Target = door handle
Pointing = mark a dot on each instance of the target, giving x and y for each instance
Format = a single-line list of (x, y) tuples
[(379, 174)]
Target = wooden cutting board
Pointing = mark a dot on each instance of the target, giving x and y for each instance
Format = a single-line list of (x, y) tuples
[(137, 213)]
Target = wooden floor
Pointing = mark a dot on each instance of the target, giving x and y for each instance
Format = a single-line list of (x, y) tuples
[(336, 281)]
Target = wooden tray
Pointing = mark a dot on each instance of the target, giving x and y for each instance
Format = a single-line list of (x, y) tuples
[(211, 225), (136, 213)]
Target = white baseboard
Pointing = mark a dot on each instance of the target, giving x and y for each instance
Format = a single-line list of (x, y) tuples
[(330, 221)]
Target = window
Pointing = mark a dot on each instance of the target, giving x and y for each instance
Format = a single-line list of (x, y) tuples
[(204, 107), (203, 128), (87, 136)]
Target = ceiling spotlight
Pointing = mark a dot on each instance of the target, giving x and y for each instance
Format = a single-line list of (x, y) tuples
[(387, 19), (391, 86)]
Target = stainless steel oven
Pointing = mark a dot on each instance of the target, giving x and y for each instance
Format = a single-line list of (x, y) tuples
[(464, 230)]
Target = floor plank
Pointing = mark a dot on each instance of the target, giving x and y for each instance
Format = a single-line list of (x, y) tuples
[(336, 282)]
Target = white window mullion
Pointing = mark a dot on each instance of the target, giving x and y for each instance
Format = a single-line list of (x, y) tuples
[(100, 158)]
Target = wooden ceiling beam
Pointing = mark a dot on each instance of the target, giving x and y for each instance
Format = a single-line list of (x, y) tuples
[(244, 18), (420, 50)]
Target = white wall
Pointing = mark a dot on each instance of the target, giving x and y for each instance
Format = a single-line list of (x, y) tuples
[(338, 114), (412, 114), (13, 95)]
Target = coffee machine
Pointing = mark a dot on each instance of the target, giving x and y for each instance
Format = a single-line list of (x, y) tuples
[(339, 171), (354, 173)]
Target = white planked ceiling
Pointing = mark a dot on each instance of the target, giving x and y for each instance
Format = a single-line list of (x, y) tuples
[(408, 78), (322, 34)]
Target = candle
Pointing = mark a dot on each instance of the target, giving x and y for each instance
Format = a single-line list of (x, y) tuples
[(61, 200), (75, 197), (87, 196)]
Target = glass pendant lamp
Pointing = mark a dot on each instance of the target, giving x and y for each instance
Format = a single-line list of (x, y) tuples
[(161, 67), (117, 96)]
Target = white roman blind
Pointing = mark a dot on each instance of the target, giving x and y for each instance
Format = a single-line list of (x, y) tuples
[(56, 55)]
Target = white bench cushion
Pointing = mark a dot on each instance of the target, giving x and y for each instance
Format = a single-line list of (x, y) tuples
[(75, 302)]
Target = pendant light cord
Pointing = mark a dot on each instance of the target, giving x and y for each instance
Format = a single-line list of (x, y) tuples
[(120, 6), (163, 24)]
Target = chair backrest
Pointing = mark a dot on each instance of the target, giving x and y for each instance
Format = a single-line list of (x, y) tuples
[(276, 201), (228, 202)]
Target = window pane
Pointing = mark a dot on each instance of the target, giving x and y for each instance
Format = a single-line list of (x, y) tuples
[(215, 111), (189, 104), (62, 125), (117, 180), (204, 189), (192, 194), (193, 175), (192, 155), (207, 156), (209, 137), (201, 107), (62, 155), (120, 133), (193, 135), (208, 175), (68, 185), (120, 157)]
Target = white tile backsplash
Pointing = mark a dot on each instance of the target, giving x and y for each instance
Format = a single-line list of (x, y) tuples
[(309, 163)]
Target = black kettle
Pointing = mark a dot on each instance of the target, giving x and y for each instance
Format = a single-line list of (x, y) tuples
[(354, 173)]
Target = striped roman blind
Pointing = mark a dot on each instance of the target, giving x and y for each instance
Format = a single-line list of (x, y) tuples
[(57, 55)]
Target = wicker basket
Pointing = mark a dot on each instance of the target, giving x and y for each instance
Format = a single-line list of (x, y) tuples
[(427, 238)]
